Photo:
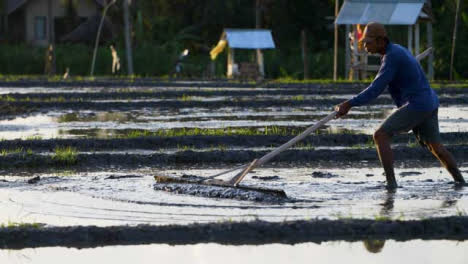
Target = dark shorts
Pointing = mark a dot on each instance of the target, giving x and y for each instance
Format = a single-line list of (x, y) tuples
[(425, 125)]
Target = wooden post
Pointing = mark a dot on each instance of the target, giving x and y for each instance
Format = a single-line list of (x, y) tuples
[(258, 25), (430, 60), (410, 38), (355, 54), (305, 54), (416, 39), (230, 63), (51, 35), (335, 53), (128, 41), (454, 38), (347, 53)]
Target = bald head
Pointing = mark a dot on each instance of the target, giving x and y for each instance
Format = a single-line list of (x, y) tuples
[(373, 31), (375, 38)]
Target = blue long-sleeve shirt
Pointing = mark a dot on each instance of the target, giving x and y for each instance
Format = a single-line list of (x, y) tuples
[(405, 80)]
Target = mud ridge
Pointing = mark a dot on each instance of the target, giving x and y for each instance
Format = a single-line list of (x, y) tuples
[(237, 233), (200, 142), (105, 160), (155, 92), (157, 82), (204, 104)]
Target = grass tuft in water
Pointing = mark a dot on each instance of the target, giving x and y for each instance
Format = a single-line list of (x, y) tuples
[(65, 155), (20, 225)]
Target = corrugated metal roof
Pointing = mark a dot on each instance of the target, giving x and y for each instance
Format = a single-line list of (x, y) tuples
[(249, 38), (389, 12)]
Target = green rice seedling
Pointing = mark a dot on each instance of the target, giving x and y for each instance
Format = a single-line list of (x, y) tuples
[(65, 155), (138, 133), (11, 224), (412, 144), (370, 144), (185, 98), (5, 152), (7, 98), (305, 146), (382, 218), (222, 147), (185, 147), (298, 98), (33, 138)]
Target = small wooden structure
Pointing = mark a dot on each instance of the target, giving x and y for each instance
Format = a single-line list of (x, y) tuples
[(255, 39), (27, 20), (388, 12)]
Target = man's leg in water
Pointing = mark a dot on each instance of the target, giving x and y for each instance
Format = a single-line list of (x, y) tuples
[(447, 160), (382, 142), (428, 135)]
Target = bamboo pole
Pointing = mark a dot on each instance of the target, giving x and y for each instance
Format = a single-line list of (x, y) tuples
[(98, 35), (128, 40), (335, 53), (454, 38)]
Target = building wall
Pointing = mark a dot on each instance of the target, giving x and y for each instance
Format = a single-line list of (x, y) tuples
[(38, 8)]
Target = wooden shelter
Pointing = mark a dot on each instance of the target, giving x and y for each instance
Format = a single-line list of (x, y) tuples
[(255, 39), (27, 20), (411, 13)]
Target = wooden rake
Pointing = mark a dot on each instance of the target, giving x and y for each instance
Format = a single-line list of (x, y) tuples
[(246, 168)]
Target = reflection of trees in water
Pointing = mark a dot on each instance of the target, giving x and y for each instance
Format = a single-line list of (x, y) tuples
[(374, 245)]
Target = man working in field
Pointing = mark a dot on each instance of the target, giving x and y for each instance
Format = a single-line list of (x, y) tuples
[(417, 103)]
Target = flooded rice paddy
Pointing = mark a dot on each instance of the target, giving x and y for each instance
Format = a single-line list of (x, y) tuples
[(87, 156)]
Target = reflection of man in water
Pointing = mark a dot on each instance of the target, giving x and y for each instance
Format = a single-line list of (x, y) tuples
[(115, 60), (374, 245), (417, 103)]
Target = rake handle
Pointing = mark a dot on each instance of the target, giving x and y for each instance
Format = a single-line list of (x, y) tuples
[(296, 139)]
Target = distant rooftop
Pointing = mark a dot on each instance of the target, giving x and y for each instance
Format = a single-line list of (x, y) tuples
[(388, 12), (249, 38)]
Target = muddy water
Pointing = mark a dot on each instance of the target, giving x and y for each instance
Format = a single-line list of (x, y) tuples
[(370, 251), (112, 182), (128, 197), (111, 124)]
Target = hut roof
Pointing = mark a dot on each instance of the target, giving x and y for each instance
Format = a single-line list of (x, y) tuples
[(249, 38), (389, 12)]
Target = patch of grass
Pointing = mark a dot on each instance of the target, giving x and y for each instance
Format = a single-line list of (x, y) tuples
[(33, 138), (306, 146), (7, 98), (369, 144), (382, 218), (298, 98), (20, 225), (5, 152), (413, 143), (65, 155), (185, 98), (185, 147), (229, 131)]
